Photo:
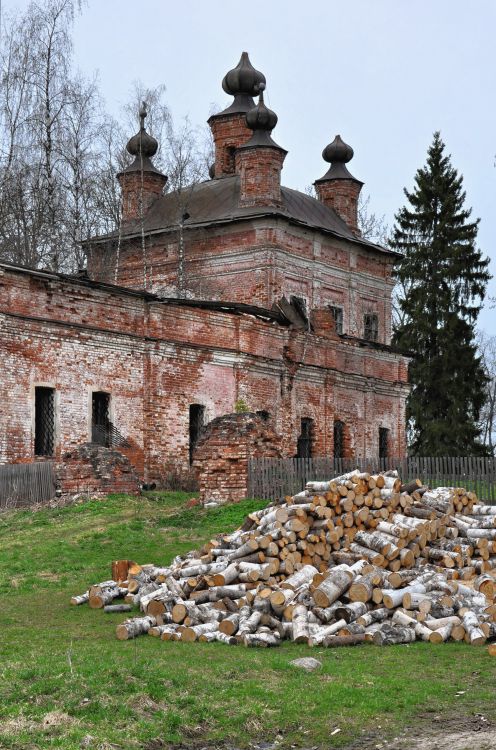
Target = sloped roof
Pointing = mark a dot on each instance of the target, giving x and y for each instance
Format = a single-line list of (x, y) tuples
[(217, 202)]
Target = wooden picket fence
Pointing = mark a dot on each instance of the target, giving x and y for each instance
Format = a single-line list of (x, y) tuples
[(273, 478), (23, 485)]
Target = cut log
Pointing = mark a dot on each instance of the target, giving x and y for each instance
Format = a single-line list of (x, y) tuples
[(440, 635), (337, 582), (475, 634), (81, 599), (389, 635), (301, 631), (110, 608), (336, 641), (134, 627)]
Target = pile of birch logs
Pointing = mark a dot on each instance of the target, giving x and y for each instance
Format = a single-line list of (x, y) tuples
[(358, 558)]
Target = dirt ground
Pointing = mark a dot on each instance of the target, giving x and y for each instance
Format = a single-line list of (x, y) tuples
[(457, 733)]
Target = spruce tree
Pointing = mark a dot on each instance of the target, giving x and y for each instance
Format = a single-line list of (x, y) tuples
[(445, 277)]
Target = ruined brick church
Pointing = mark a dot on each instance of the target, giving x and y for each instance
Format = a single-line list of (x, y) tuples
[(235, 292)]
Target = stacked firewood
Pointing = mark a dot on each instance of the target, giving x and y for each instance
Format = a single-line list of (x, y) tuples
[(358, 558)]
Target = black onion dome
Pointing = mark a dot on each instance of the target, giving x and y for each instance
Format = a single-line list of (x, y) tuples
[(338, 150), (262, 121), (338, 154), (261, 117), (242, 82), (243, 79), (142, 146), (142, 143), (211, 171)]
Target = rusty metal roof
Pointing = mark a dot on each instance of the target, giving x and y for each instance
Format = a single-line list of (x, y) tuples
[(217, 202)]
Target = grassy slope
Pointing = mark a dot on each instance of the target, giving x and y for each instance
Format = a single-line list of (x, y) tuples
[(63, 675)]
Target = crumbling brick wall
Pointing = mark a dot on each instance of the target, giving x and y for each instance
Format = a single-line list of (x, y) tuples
[(95, 470), (222, 454)]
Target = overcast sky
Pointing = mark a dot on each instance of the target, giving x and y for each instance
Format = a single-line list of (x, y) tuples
[(385, 74)]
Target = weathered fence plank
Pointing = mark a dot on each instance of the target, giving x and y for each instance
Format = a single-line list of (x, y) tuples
[(273, 478), (22, 485)]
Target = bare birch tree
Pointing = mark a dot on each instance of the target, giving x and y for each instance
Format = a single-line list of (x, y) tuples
[(487, 421)]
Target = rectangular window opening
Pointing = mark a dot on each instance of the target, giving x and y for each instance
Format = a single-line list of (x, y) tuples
[(337, 314), (338, 439), (196, 424), (44, 421), (304, 446), (101, 432), (371, 327), (383, 442)]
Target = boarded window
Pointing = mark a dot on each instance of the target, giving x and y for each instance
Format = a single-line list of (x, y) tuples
[(44, 421), (383, 442), (337, 314), (338, 439), (100, 419), (196, 423), (371, 327), (304, 448)]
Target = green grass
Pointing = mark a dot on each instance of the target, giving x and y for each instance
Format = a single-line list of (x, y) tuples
[(64, 676)]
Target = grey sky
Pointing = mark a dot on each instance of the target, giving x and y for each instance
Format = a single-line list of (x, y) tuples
[(383, 73)]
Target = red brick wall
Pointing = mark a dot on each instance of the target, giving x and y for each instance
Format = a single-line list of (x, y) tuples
[(221, 456), (139, 192), (259, 261), (259, 172), (94, 470), (156, 359), (229, 132), (342, 196)]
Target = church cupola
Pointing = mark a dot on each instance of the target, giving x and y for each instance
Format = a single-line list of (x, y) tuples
[(141, 183), (229, 128), (259, 161), (338, 188)]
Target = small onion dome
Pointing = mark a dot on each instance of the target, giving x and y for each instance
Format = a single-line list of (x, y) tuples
[(338, 154), (142, 146), (262, 121), (242, 82)]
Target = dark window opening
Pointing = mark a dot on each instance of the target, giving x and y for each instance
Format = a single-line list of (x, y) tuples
[(337, 314), (230, 159), (304, 449), (300, 306), (371, 326), (383, 442), (44, 421), (264, 414), (338, 439), (196, 424), (101, 432)]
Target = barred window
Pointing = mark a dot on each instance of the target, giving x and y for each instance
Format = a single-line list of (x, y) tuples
[(337, 314), (44, 421), (304, 448), (338, 439), (101, 432), (196, 423), (383, 442), (371, 326)]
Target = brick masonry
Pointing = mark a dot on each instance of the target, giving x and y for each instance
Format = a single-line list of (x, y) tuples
[(342, 196), (222, 454), (155, 359), (97, 471)]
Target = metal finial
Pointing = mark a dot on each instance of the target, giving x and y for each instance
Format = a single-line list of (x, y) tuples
[(142, 114)]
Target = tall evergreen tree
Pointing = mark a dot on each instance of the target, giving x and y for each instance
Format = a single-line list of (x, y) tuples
[(445, 276)]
